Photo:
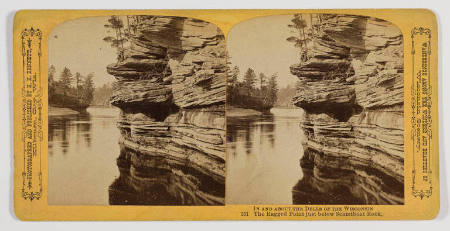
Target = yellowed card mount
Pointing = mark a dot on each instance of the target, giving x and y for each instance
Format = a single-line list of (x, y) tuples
[(226, 114)]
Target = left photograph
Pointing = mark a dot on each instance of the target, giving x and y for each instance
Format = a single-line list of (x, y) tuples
[(136, 112)]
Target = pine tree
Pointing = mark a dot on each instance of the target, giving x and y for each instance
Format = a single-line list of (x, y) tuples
[(273, 88), (66, 80), (115, 23), (298, 25), (78, 85), (88, 89), (51, 80), (249, 80), (262, 80), (233, 77)]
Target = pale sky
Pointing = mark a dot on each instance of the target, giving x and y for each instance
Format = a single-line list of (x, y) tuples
[(78, 44), (261, 44)]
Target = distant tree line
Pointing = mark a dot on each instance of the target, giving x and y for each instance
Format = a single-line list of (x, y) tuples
[(69, 90), (254, 92), (286, 94), (102, 95)]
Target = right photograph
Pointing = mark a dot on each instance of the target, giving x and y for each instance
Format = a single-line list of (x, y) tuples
[(314, 111)]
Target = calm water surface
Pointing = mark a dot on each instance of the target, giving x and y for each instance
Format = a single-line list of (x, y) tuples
[(88, 142), (262, 163), (263, 157)]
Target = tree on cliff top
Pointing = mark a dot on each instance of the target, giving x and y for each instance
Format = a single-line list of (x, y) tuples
[(298, 25), (115, 23)]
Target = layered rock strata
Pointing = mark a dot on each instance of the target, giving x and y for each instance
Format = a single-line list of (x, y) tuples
[(171, 91), (352, 93)]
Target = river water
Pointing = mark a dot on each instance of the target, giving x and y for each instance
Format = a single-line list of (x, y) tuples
[(263, 155), (82, 157), (262, 161)]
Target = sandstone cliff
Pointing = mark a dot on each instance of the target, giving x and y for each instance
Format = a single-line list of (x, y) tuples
[(171, 91), (352, 93)]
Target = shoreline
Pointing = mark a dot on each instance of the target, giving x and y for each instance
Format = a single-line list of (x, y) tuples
[(234, 112), (241, 112), (61, 111)]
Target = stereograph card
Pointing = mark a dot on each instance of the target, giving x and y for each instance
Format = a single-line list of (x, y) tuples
[(226, 114)]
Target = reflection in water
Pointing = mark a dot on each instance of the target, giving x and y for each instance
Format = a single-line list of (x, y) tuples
[(310, 189), (82, 154), (84, 168), (60, 128), (263, 157), (324, 184), (155, 180)]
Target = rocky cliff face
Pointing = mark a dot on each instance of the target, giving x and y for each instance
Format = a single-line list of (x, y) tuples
[(352, 93), (171, 91)]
